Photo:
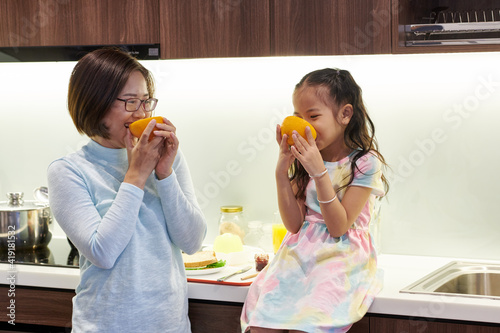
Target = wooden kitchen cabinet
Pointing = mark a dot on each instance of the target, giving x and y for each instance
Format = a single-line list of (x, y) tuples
[(328, 27), (444, 327), (228, 28), (385, 325), (206, 316), (237, 28), (78, 22), (427, 325), (362, 326), (49, 310), (406, 12), (39, 306), (214, 28)]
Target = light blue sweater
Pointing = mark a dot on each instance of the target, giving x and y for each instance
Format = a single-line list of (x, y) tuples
[(130, 240)]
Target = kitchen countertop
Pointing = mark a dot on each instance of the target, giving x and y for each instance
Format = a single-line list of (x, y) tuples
[(399, 272)]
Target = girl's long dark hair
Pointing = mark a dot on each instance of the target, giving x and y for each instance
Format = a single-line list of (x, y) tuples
[(360, 132)]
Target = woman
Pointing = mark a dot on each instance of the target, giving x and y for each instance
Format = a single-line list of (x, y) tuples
[(127, 204)]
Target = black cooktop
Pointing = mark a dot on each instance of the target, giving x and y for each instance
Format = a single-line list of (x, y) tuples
[(59, 253)]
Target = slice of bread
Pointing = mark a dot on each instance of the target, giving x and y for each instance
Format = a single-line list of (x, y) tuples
[(199, 259)]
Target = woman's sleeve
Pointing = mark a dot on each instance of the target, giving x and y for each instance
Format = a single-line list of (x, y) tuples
[(100, 239), (186, 223)]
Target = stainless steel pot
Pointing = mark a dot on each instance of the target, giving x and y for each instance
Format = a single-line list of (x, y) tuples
[(24, 225)]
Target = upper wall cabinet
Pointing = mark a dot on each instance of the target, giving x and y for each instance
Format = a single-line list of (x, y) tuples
[(252, 28), (425, 26), (214, 28), (326, 27), (78, 22), (247, 28)]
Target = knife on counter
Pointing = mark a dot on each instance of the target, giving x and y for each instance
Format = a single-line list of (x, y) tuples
[(243, 270)]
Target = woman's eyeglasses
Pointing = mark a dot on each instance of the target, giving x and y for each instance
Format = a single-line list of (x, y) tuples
[(133, 104)]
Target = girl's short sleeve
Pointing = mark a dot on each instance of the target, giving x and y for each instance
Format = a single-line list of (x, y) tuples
[(369, 174)]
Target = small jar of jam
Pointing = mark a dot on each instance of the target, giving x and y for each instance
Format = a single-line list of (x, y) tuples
[(261, 261)]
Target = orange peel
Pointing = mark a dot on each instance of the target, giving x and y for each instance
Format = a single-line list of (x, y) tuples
[(137, 127), (292, 123)]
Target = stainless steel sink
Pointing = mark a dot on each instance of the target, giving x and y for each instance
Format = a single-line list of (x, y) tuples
[(469, 279)]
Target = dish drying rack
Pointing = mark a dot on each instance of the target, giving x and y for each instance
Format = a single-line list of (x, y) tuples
[(454, 25)]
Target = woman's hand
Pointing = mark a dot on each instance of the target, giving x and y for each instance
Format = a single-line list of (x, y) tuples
[(285, 157), (143, 156), (167, 150), (307, 152)]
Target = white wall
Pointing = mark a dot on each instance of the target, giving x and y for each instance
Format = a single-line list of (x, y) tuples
[(436, 118)]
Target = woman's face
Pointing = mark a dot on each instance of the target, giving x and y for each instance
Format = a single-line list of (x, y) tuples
[(117, 119)]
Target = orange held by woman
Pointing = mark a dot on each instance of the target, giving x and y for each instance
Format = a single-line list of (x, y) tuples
[(137, 127)]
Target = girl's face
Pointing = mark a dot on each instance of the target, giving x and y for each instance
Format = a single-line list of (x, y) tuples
[(314, 105), (117, 119)]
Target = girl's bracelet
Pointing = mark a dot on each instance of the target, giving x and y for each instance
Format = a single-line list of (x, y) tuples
[(331, 200), (319, 174)]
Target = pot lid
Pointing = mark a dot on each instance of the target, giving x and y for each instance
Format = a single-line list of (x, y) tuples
[(41, 194), (16, 203)]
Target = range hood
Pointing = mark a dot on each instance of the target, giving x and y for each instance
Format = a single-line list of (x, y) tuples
[(72, 53)]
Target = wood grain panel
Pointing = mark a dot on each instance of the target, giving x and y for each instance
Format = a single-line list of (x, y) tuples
[(445, 327), (326, 27), (19, 26), (386, 325), (362, 326), (78, 22), (53, 307), (214, 316), (225, 317), (40, 306), (214, 28)]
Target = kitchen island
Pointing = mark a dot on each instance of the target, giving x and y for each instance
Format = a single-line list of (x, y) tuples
[(417, 311)]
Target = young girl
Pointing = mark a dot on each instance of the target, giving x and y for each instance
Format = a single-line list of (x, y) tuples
[(324, 276)]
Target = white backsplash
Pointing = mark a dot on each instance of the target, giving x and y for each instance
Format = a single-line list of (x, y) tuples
[(436, 120)]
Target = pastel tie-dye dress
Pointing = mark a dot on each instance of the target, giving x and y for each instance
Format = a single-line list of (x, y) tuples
[(318, 283)]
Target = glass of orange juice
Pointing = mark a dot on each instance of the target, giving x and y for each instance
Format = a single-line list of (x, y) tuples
[(279, 232)]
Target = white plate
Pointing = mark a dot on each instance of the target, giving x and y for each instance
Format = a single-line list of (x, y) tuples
[(237, 258), (194, 272)]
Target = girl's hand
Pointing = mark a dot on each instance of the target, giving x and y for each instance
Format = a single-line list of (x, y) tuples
[(307, 152), (168, 148), (291, 209), (285, 158), (142, 155)]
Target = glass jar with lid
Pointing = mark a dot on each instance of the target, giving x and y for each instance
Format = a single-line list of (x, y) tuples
[(255, 235), (232, 221)]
